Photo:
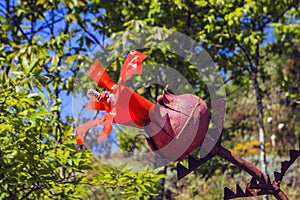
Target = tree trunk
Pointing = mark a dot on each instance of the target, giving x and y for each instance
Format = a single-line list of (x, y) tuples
[(162, 183), (258, 93)]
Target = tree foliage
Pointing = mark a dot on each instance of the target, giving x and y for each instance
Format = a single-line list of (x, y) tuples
[(38, 156), (40, 54), (45, 43)]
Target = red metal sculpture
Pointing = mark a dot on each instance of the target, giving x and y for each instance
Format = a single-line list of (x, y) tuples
[(176, 126)]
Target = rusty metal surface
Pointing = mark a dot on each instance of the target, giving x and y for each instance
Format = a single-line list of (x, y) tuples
[(260, 184), (194, 163), (263, 185)]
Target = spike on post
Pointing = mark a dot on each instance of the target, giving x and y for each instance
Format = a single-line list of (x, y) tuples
[(181, 171), (228, 193), (253, 181), (239, 189), (248, 192), (284, 166), (277, 176), (192, 162)]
